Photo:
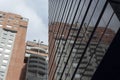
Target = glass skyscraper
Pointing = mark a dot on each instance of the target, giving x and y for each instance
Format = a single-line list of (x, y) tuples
[(80, 33)]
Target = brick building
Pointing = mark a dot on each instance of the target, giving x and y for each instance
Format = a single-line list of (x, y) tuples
[(13, 29)]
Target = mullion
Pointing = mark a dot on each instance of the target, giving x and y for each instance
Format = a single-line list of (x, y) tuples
[(67, 36), (55, 16), (77, 20), (50, 9), (74, 40), (62, 31), (84, 34), (58, 44), (59, 27), (53, 4), (58, 32), (55, 7), (98, 42), (62, 51), (90, 39), (53, 26), (55, 29), (64, 25)]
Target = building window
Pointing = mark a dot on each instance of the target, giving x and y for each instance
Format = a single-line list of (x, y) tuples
[(77, 76), (7, 51), (3, 38), (5, 61), (2, 44), (12, 35), (10, 41), (67, 74), (11, 18), (24, 19), (1, 15), (3, 67), (9, 26), (6, 56), (0, 24), (58, 73), (1, 20), (9, 45), (16, 22), (4, 33), (1, 49), (75, 65)]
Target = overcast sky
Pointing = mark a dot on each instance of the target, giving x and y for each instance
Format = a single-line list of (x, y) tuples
[(37, 13)]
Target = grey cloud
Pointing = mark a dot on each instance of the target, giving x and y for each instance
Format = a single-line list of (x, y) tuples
[(37, 28)]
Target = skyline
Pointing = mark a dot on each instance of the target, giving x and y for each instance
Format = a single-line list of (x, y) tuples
[(38, 21)]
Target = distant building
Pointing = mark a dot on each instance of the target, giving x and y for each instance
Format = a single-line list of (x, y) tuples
[(37, 48), (36, 58), (13, 29), (80, 34)]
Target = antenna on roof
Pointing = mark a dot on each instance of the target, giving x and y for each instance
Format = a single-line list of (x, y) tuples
[(34, 40)]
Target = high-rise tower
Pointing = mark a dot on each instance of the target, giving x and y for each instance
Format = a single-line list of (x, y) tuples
[(36, 59), (13, 29), (80, 34)]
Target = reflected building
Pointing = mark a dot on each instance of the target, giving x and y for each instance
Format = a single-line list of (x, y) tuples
[(13, 29), (80, 34), (36, 59)]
